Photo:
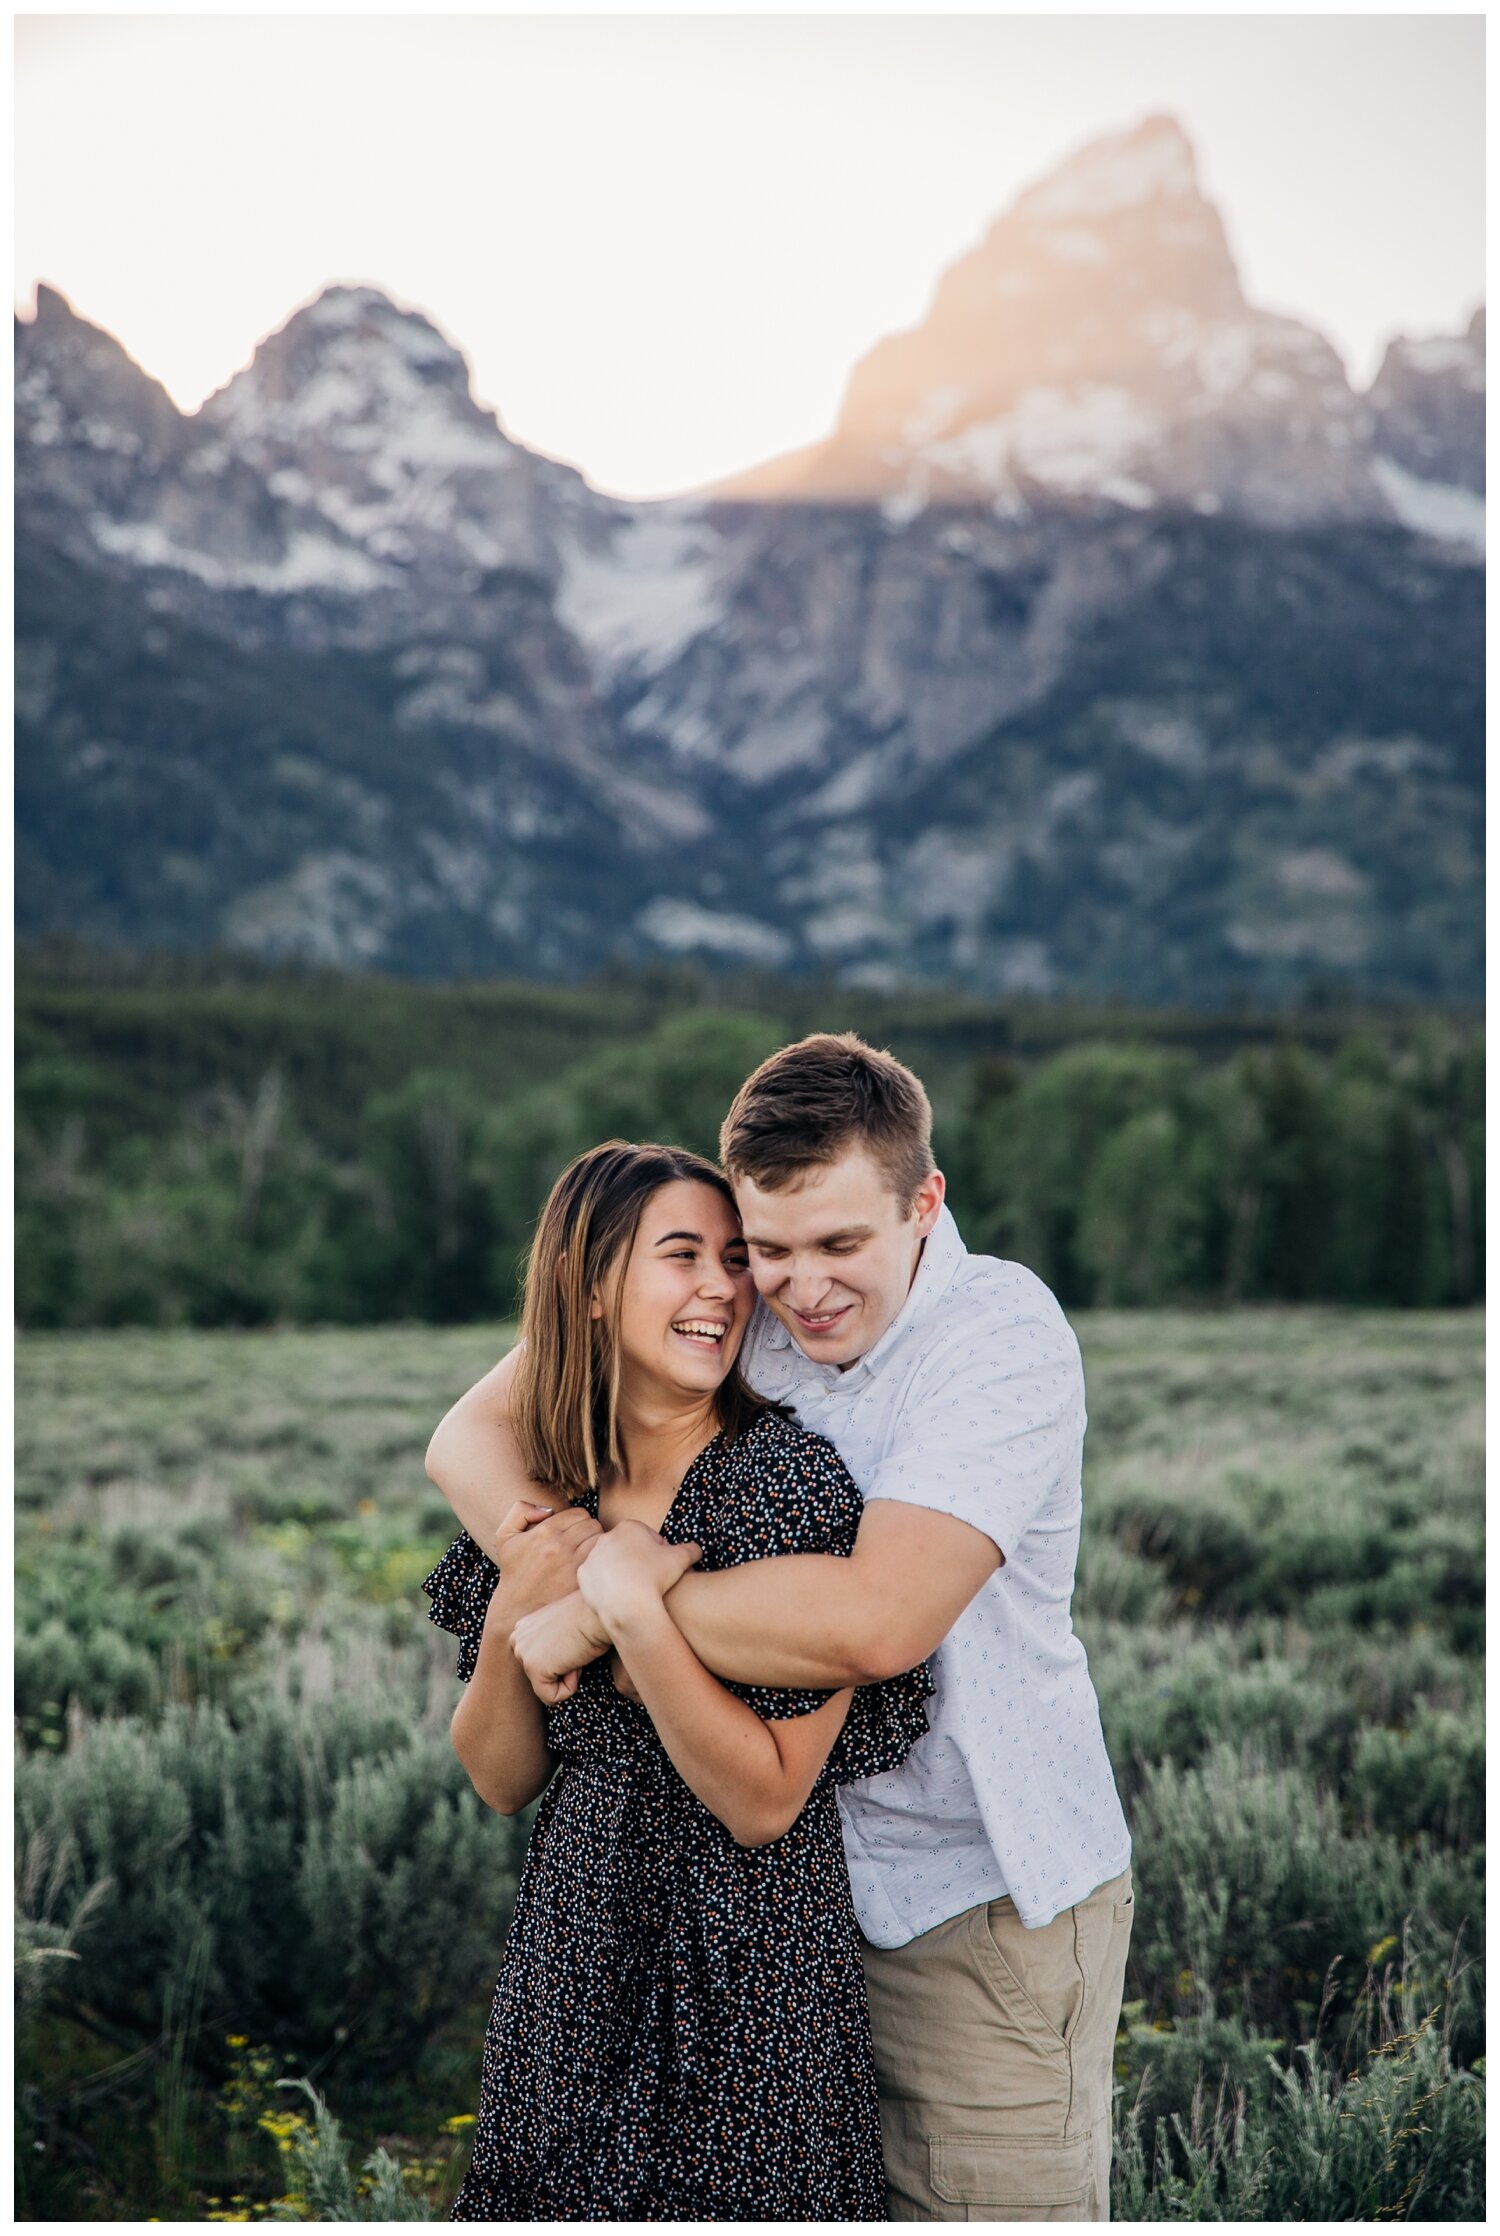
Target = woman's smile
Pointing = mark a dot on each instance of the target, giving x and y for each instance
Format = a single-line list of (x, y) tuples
[(703, 1334)]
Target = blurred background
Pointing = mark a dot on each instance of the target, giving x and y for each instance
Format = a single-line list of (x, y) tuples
[(553, 556)]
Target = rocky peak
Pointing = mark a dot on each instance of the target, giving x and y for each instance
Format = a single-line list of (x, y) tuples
[(1437, 376), (1427, 405), (1097, 343), (362, 414), (1152, 162), (349, 356), (76, 387)]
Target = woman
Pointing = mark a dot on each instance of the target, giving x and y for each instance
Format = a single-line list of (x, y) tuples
[(679, 2029)]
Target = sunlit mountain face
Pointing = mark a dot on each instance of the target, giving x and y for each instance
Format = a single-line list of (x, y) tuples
[(1098, 343), (1111, 642)]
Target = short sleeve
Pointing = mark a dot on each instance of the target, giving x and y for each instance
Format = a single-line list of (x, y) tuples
[(994, 1427), (460, 1588), (807, 1502)]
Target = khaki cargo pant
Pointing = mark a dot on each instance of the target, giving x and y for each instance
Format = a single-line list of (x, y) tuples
[(994, 2047)]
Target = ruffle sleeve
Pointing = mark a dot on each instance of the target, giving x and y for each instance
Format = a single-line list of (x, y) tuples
[(884, 1722), (460, 1588)]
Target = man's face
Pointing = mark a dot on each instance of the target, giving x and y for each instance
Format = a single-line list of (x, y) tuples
[(834, 1253)]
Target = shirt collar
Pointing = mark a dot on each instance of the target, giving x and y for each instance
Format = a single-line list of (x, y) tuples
[(943, 1253)]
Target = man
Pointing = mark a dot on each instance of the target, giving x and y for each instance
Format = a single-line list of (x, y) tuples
[(991, 1870)]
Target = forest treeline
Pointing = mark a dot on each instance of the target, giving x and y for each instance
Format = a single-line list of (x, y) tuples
[(238, 1148)]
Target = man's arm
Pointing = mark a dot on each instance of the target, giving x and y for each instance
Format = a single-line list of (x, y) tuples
[(816, 1619), (803, 1619), (754, 1775), (993, 1434), (473, 1457)]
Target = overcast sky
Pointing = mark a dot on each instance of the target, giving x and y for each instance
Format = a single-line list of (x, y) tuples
[(662, 242)]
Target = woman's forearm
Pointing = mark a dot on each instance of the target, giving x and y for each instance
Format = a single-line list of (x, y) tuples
[(499, 1728), (754, 1781)]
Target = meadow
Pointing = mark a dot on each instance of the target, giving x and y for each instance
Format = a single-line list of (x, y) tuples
[(260, 1909)]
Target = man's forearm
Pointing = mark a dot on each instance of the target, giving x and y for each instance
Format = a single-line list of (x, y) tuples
[(474, 1460), (805, 1619)]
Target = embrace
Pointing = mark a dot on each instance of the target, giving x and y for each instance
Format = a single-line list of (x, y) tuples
[(770, 1525)]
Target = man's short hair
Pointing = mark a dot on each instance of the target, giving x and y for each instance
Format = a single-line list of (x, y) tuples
[(808, 1103)]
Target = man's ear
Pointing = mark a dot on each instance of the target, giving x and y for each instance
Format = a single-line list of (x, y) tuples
[(928, 1202)]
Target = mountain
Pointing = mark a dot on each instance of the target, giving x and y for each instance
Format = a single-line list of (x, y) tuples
[(1110, 642), (1098, 342)]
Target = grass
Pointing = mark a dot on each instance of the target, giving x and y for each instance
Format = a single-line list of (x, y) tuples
[(246, 1856)]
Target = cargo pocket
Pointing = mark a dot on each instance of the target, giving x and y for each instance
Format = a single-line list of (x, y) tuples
[(1013, 2176)]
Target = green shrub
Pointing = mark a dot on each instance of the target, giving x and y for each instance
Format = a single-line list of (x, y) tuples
[(344, 1873), (1176, 1693), (1400, 2139), (1117, 1586), (103, 1672), (1426, 1778), (1249, 1889), (320, 2185)]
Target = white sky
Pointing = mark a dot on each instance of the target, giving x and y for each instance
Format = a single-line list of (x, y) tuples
[(662, 242)]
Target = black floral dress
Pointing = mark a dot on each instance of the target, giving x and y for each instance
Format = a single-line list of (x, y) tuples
[(679, 2029)]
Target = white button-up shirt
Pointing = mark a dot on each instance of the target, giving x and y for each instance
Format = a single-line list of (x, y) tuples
[(972, 1403)]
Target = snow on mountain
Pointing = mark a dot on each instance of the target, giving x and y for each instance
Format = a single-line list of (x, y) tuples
[(363, 413), (635, 600), (1023, 688), (1097, 345), (1149, 165), (1427, 402), (1442, 509)]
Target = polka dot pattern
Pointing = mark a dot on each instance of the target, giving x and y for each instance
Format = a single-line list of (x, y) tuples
[(679, 2029)]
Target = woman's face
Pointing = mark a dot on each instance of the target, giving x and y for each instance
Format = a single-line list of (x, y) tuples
[(684, 1303)]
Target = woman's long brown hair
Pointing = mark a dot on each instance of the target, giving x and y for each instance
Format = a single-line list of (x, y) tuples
[(565, 1402)]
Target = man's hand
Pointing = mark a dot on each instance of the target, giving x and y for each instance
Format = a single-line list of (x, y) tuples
[(628, 1565), (554, 1643), (538, 1549)]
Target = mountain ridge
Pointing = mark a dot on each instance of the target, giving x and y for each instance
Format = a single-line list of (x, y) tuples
[(469, 712)]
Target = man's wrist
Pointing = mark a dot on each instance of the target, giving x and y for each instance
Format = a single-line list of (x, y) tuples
[(636, 1618)]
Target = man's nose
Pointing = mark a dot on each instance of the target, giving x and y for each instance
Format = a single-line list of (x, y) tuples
[(805, 1290)]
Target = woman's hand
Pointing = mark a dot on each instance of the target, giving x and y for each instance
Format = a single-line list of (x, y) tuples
[(538, 1549), (628, 1565), (553, 1644)]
